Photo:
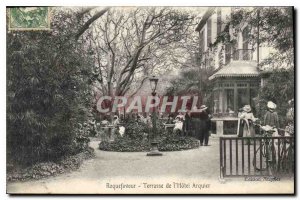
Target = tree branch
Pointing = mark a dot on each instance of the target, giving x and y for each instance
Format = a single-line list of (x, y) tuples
[(89, 22), (84, 11)]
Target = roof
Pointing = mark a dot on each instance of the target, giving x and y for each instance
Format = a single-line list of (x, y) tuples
[(204, 18), (237, 69)]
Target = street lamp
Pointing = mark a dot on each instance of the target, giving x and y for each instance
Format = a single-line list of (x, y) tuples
[(154, 144), (153, 84)]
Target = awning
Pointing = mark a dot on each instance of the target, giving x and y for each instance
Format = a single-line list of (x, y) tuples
[(237, 69)]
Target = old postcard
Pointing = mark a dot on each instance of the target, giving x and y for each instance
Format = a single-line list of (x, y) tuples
[(150, 100)]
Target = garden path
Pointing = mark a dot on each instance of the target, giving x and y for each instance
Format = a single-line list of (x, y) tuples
[(199, 166)]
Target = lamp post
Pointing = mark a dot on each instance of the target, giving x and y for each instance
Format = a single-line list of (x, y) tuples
[(154, 144)]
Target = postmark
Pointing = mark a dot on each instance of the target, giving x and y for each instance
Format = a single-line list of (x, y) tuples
[(29, 18)]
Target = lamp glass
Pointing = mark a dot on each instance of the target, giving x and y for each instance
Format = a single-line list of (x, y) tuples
[(153, 83)]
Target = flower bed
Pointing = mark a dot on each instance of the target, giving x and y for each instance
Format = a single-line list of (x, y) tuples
[(124, 145), (138, 135), (165, 144), (178, 143)]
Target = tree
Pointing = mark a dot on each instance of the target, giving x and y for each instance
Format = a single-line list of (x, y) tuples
[(194, 73), (87, 24), (128, 46), (279, 88), (48, 90)]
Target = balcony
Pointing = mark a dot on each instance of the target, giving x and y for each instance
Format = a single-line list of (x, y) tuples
[(208, 58)]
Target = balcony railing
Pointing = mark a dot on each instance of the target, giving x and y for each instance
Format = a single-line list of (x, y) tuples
[(207, 58)]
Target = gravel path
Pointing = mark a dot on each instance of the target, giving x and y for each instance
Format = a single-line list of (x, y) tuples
[(198, 166)]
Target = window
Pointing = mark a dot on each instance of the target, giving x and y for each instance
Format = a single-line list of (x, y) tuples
[(229, 100), (241, 84), (208, 32), (246, 51), (202, 41), (227, 54), (219, 21), (216, 96), (235, 51), (242, 98), (255, 85), (228, 85), (253, 95)]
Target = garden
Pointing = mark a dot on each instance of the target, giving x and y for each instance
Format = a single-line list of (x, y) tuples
[(138, 136)]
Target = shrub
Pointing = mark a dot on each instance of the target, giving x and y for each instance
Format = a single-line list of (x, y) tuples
[(125, 145), (167, 144), (48, 93), (137, 138), (178, 143), (279, 88), (136, 130)]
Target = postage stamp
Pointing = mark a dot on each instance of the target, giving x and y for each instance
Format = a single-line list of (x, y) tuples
[(29, 18)]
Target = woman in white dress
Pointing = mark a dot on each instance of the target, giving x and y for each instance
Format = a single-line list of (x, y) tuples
[(248, 118)]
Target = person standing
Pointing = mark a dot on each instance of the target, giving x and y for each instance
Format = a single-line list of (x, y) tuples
[(248, 118), (289, 129), (240, 123), (271, 117), (195, 122), (204, 125), (115, 127), (187, 124)]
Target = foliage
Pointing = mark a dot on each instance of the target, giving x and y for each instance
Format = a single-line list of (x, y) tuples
[(125, 145), (136, 130), (193, 76), (136, 138), (176, 143), (275, 30), (48, 92), (274, 90), (140, 130), (192, 81), (46, 169), (88, 128), (173, 143)]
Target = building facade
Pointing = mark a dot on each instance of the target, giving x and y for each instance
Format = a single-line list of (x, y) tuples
[(234, 56)]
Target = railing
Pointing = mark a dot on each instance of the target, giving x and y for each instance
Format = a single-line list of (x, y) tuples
[(256, 156), (236, 54)]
